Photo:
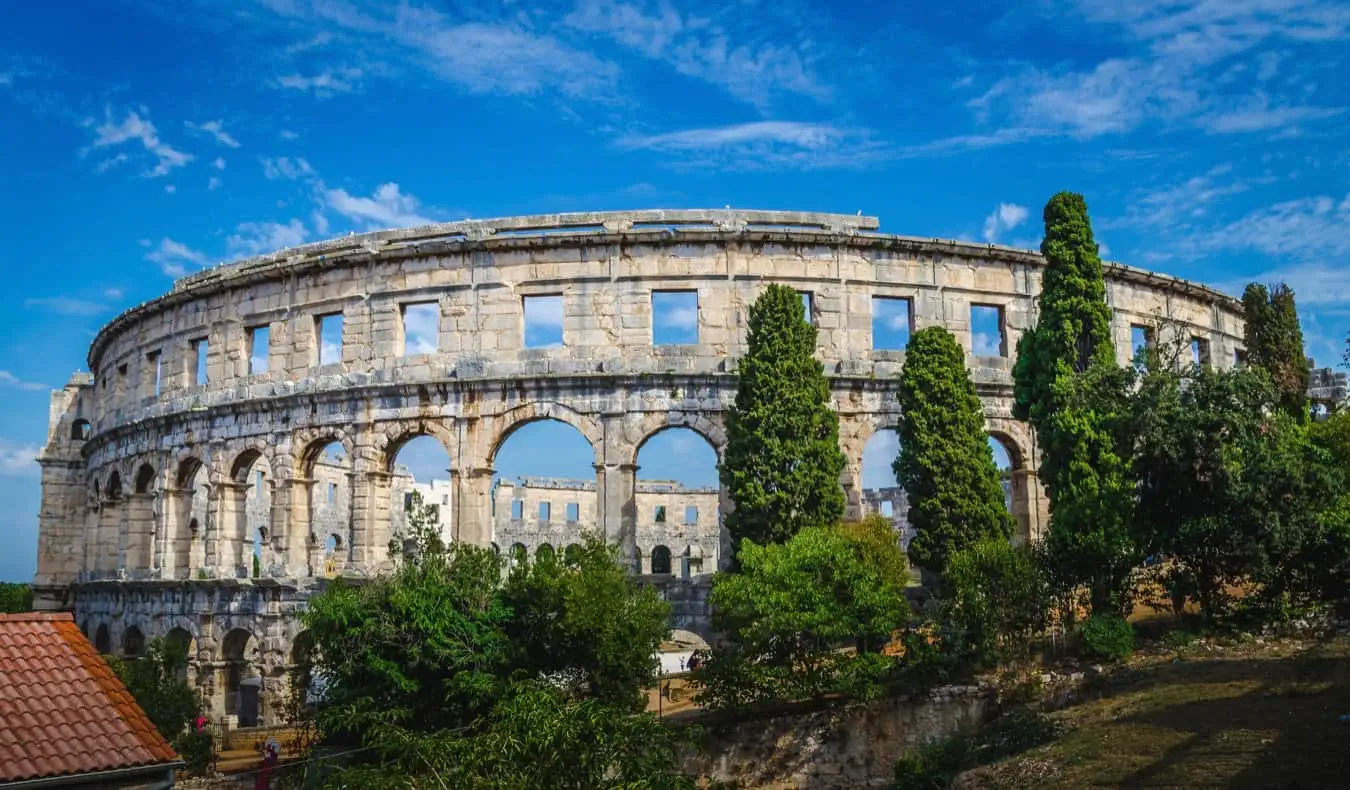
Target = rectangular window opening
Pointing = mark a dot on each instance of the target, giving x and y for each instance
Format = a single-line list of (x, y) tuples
[(660, 515), (328, 332), (543, 320), (199, 349), (1239, 357), (887, 508), (517, 510), (421, 328), (154, 361), (674, 318), (1200, 351), (691, 514), (1141, 339), (988, 335), (258, 481), (573, 512), (259, 345), (407, 502), (892, 322), (545, 510), (332, 493), (807, 307)]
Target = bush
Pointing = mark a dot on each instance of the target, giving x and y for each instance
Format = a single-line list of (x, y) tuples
[(1107, 637), (998, 597), (197, 749), (935, 764)]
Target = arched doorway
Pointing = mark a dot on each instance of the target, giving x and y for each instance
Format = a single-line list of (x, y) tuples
[(544, 487), (677, 496), (243, 680)]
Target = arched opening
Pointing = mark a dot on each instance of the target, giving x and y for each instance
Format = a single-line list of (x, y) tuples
[(419, 489), (544, 553), (141, 527), (102, 640), (1003, 460), (572, 554), (329, 470), (678, 496), (242, 681), (519, 554), (544, 486), (332, 555), (259, 541), (186, 508), (660, 560), (250, 507), (1019, 489), (692, 561), (107, 551), (881, 493), (179, 640), (145, 479), (114, 490), (80, 431), (133, 642)]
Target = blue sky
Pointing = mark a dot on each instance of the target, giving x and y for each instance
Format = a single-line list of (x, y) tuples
[(144, 141)]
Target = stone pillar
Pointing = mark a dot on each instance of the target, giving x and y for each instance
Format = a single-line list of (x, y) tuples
[(138, 545), (176, 552), (300, 538), (118, 550), (231, 531), (617, 487), (211, 531), (377, 522), (471, 501), (851, 480)]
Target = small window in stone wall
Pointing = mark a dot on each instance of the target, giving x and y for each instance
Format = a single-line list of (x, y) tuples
[(517, 510), (573, 512), (421, 328), (258, 482), (691, 514), (198, 369), (892, 320), (332, 493), (807, 312), (155, 362), (887, 508), (988, 337), (674, 318), (328, 332), (660, 515), (545, 509), (1200, 351), (1141, 339), (543, 321), (1239, 357), (122, 377), (259, 343)]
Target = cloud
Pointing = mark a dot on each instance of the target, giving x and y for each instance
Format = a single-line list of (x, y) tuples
[(765, 144), (10, 380), (286, 168), (173, 257), (212, 184), (1257, 115), (216, 130), (387, 207), (259, 238), (113, 293), (134, 127), (984, 344), (324, 84), (755, 72), (287, 134), (1176, 206), (544, 312), (1312, 233), (170, 188), (421, 327), (879, 453), (109, 163), (1004, 218), (66, 305), (218, 163), (679, 317), (18, 459)]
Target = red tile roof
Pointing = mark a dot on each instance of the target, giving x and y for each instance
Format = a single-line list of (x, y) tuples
[(62, 710)]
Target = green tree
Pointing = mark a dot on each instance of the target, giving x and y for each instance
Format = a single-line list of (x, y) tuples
[(945, 464), (782, 461), (15, 598), (1274, 341), (158, 681), (807, 617), (998, 599), (1067, 384)]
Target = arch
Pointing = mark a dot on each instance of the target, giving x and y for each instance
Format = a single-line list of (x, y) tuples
[(544, 553), (80, 430), (572, 554), (145, 479), (312, 443), (519, 553), (514, 419), (133, 642), (114, 490), (712, 433), (179, 640), (102, 639), (240, 662), (660, 560), (244, 463), (187, 471), (397, 436)]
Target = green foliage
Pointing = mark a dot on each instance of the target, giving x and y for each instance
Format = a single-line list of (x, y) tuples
[(1066, 383), (1274, 341), (197, 749), (936, 764), (449, 676), (158, 682), (997, 597), (1107, 637), (782, 462), (945, 464), (15, 598), (586, 621), (802, 618)]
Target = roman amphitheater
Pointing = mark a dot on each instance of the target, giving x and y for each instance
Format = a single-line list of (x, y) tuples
[(220, 463)]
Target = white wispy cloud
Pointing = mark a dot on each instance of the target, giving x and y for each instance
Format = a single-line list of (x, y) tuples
[(879, 454), (212, 184), (765, 144), (284, 167), (133, 127), (10, 380), (745, 66), (1004, 217), (287, 134), (216, 129), (1178, 205), (1311, 233), (66, 305), (324, 84), (259, 238), (113, 293), (544, 311), (218, 163), (174, 257), (109, 163), (18, 459), (387, 207)]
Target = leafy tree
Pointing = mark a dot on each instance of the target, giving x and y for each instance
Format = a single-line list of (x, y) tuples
[(782, 462), (998, 598), (1274, 341), (945, 464), (807, 617), (15, 598), (1066, 383), (158, 681)]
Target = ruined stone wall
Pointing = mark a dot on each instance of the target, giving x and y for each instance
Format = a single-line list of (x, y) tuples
[(150, 473)]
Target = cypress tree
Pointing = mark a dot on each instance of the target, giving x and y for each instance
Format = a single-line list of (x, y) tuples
[(1274, 342), (782, 462), (1067, 384), (945, 464)]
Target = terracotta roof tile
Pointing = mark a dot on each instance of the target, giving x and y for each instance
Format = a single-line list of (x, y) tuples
[(62, 710)]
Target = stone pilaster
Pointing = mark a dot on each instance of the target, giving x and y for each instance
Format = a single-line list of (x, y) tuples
[(617, 484), (471, 500)]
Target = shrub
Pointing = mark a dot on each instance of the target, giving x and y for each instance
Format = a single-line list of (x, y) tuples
[(935, 764), (998, 597), (1107, 637), (197, 749)]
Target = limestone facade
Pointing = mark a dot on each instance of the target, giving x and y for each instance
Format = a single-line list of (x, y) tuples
[(146, 512)]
